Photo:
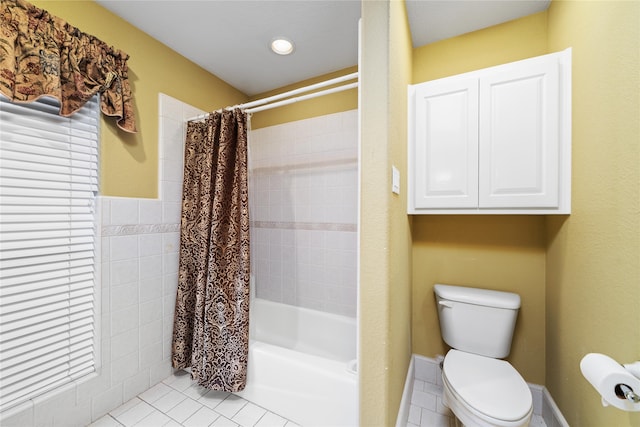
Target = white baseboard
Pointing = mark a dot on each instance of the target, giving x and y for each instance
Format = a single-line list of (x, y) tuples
[(427, 369), (405, 403), (550, 412)]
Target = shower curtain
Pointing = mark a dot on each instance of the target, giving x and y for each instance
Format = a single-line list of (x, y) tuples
[(211, 320)]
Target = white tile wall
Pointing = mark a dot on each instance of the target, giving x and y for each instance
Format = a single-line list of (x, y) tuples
[(303, 195), (139, 249)]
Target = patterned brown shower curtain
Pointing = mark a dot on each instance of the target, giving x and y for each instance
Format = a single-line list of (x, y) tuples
[(211, 321)]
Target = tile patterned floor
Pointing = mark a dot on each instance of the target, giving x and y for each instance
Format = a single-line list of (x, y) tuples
[(427, 410), (177, 401)]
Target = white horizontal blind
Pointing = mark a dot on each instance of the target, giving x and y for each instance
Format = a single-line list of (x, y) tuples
[(48, 186)]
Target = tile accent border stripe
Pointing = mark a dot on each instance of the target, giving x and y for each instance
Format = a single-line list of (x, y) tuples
[(315, 226), (337, 163), (127, 230)]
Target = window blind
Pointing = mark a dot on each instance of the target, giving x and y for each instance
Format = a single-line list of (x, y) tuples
[(48, 187)]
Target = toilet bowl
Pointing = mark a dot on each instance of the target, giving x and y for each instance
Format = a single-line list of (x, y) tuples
[(485, 392), (480, 388)]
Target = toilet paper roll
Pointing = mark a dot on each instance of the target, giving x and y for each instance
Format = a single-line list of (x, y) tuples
[(606, 376)]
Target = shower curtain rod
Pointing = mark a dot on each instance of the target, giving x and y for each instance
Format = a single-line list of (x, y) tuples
[(259, 104), (302, 98)]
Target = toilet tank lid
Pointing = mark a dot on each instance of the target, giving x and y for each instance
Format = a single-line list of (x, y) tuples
[(477, 296)]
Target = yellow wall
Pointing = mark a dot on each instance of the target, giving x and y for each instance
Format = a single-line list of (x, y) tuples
[(593, 258), (129, 163), (385, 241), (499, 252)]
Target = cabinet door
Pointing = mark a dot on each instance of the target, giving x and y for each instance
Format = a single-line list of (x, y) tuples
[(519, 135), (445, 153)]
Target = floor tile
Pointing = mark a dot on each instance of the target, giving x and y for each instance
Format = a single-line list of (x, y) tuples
[(249, 415), (154, 419), (271, 420), (184, 410), (169, 400), (135, 414), (424, 400), (106, 421), (433, 419), (176, 402), (196, 392), (182, 382), (125, 407), (155, 393), (414, 414), (213, 398), (231, 406), (223, 421), (537, 421), (203, 417)]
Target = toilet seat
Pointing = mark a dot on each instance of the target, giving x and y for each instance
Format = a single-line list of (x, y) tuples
[(489, 388)]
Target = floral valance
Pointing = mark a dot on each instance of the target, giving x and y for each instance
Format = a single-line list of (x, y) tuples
[(42, 55)]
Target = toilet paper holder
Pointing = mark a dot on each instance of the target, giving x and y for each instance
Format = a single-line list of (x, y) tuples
[(625, 392), (618, 384)]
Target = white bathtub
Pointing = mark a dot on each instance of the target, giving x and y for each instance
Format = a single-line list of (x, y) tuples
[(301, 364)]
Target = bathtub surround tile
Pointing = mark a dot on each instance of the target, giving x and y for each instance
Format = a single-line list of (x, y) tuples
[(150, 211), (124, 320), (124, 211), (303, 190), (123, 368), (123, 247), (136, 385), (151, 267), (124, 272)]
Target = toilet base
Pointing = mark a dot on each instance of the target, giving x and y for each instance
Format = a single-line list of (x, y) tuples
[(467, 417)]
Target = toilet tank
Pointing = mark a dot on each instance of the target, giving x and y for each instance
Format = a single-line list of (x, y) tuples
[(479, 321)]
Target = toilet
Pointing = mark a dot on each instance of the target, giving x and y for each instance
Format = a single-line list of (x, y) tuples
[(481, 389)]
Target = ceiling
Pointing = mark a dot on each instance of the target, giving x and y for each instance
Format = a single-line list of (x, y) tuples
[(230, 38)]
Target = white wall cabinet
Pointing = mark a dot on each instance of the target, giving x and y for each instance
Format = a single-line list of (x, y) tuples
[(493, 141)]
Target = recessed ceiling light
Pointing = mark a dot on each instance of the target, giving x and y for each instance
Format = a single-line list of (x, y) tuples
[(282, 46)]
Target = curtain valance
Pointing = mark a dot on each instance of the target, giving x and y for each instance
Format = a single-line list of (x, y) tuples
[(42, 55)]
